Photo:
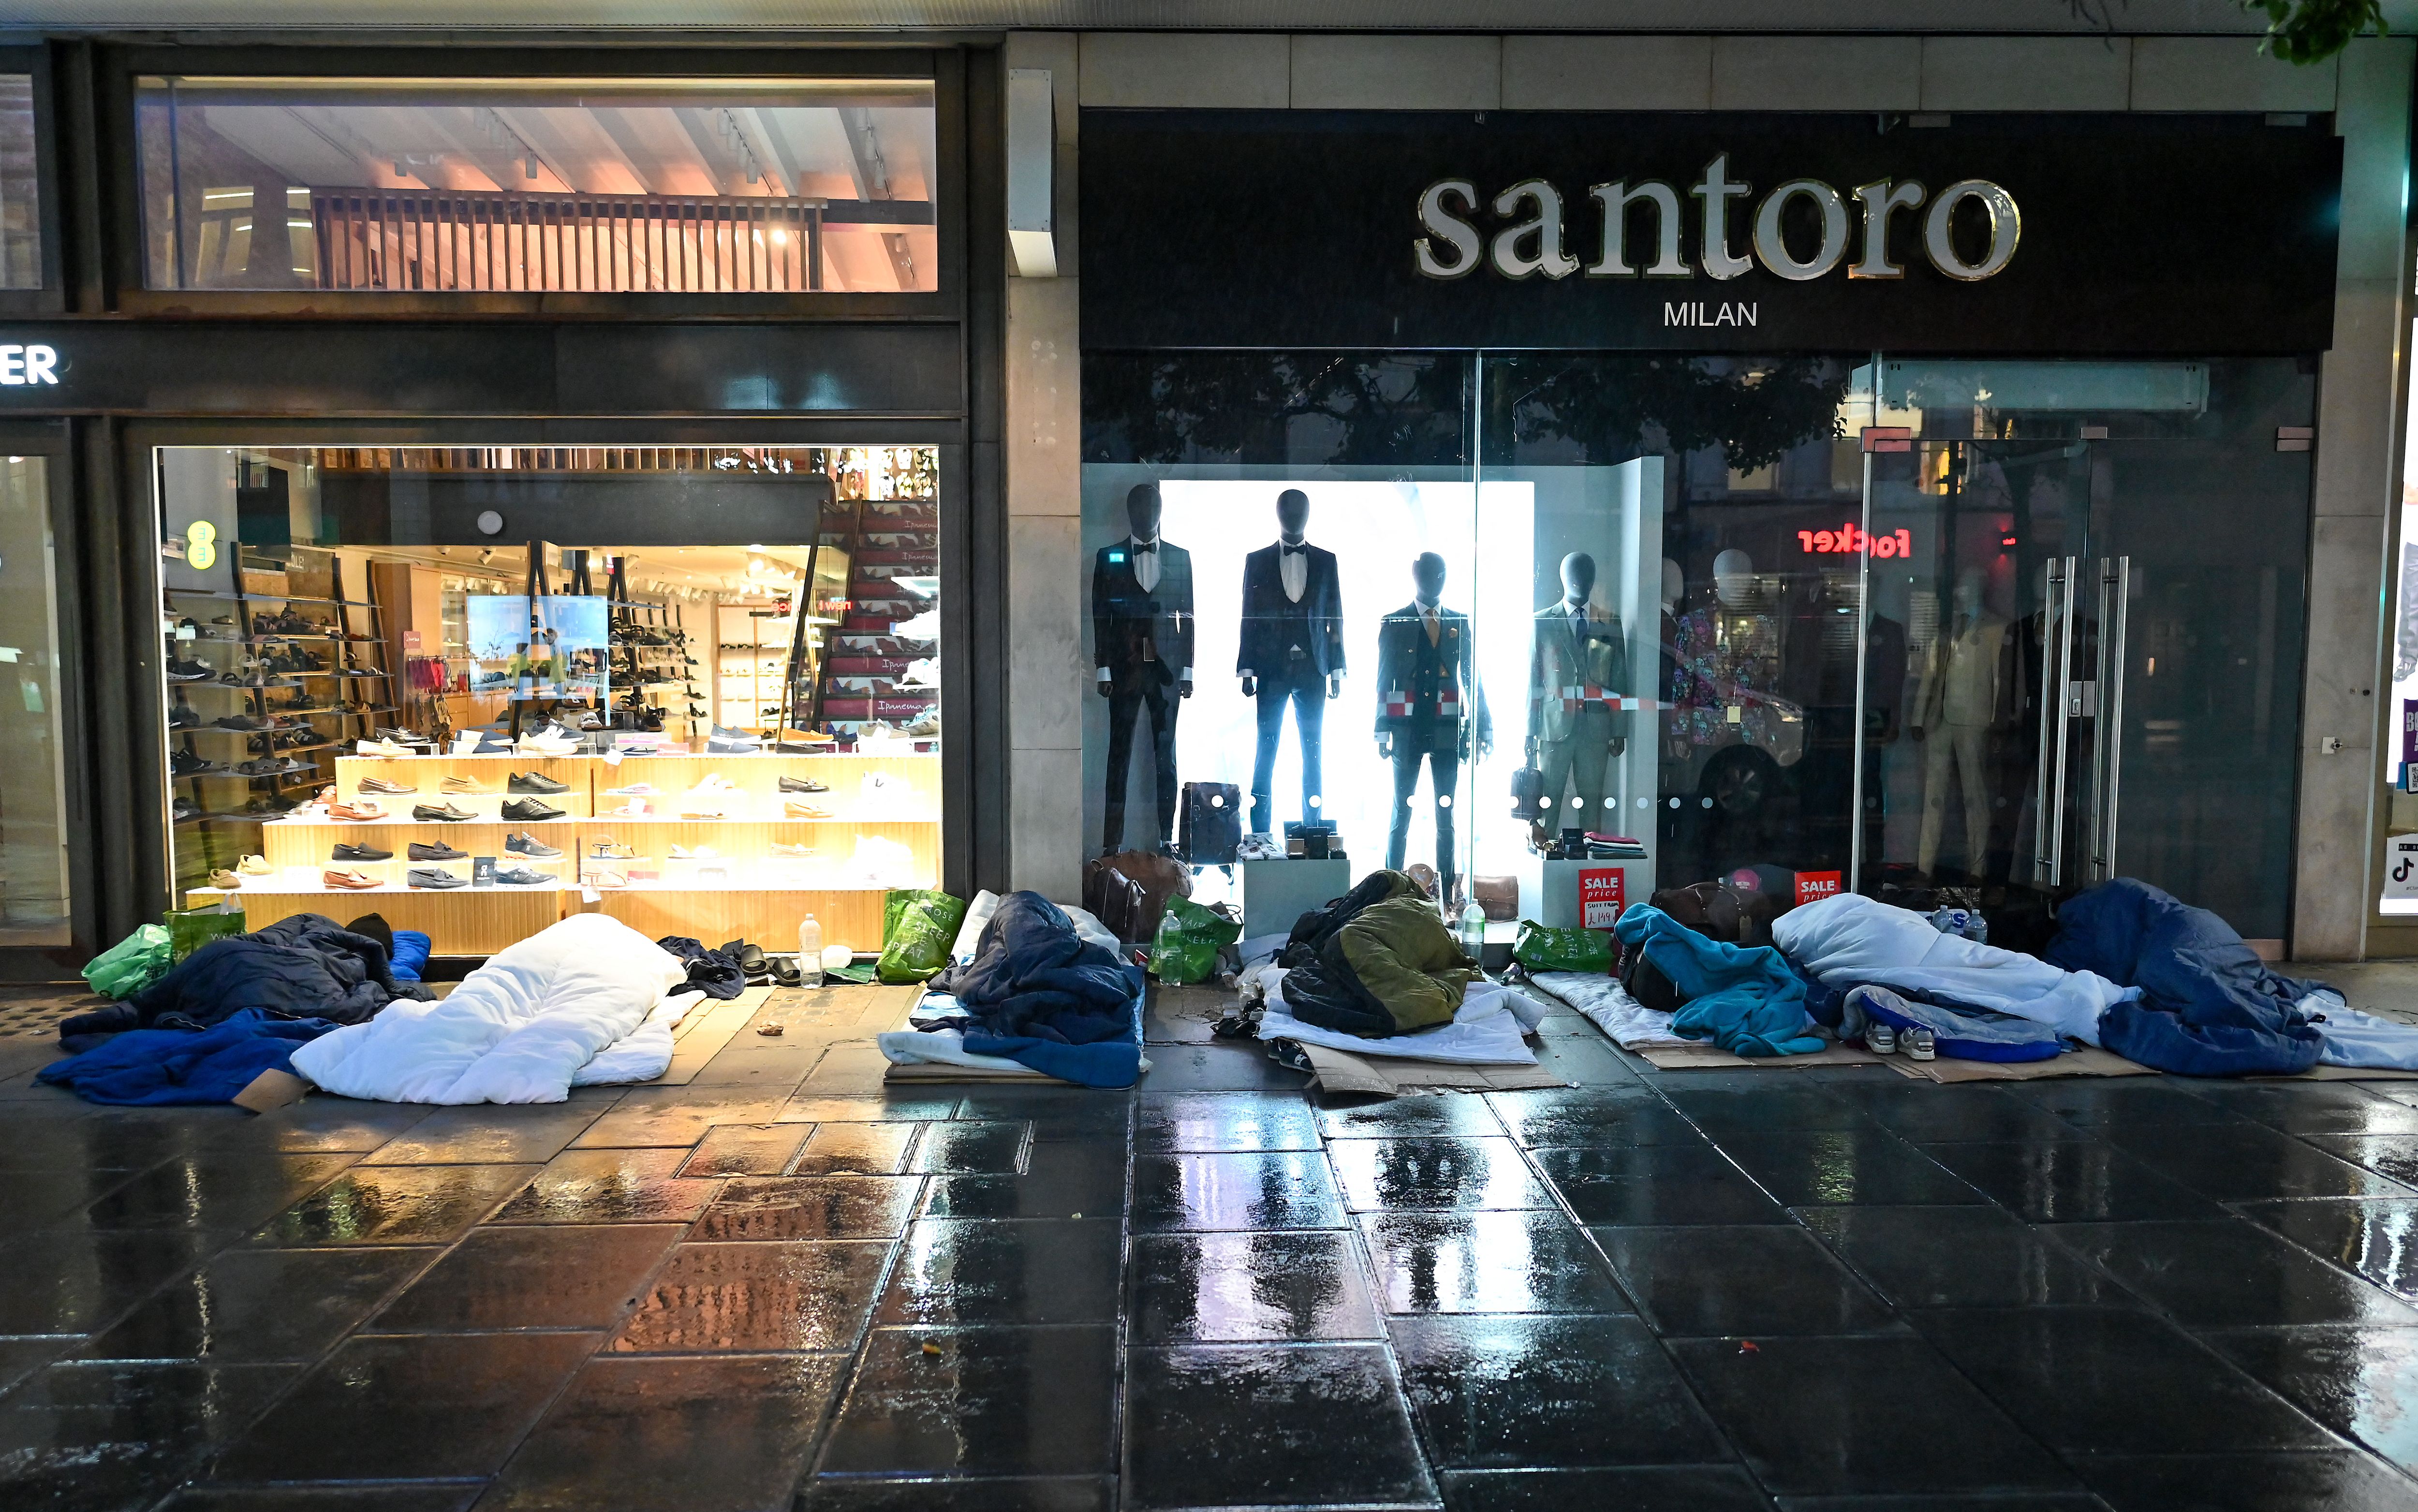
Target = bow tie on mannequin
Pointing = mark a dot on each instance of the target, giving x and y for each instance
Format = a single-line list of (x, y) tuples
[(1145, 545), (1291, 550)]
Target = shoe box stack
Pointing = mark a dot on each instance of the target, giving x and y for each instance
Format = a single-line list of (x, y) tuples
[(716, 845)]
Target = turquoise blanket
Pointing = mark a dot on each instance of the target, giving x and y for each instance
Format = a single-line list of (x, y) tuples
[(1747, 1002)]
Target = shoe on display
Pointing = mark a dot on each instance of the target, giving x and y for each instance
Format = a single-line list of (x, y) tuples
[(521, 877), (186, 764), (723, 745), (184, 717), (1258, 847), (349, 880), (532, 811), (801, 785), (634, 809), (637, 789), (533, 782), (430, 876), (609, 849), (388, 749), (242, 722), (420, 850), (390, 789), (184, 808), (224, 880), (351, 853), (604, 878), (798, 808), (459, 784), (529, 844), (782, 847), (723, 732), (180, 671), (448, 812), (254, 866), (929, 724), (700, 853), (360, 810)]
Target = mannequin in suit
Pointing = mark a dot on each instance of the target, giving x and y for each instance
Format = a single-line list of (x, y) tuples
[(1427, 684), (1292, 651), (1578, 670), (1141, 644), (1958, 702)]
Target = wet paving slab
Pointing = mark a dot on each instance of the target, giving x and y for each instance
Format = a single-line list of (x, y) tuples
[(784, 1287)]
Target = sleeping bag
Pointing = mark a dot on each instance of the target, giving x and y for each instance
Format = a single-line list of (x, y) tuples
[(1391, 969), (2208, 1007), (1038, 993), (1850, 941), (301, 967)]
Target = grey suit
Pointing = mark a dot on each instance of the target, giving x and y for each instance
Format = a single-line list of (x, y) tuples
[(1577, 671)]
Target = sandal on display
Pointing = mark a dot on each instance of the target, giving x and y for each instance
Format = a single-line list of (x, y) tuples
[(224, 880), (254, 866)]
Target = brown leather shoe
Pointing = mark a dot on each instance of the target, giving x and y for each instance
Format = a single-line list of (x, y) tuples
[(350, 880), (360, 810)]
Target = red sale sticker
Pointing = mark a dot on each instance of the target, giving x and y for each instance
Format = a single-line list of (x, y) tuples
[(1601, 893), (1811, 887)]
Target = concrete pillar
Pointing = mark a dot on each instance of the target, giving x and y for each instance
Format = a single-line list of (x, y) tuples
[(1045, 569), (2358, 480)]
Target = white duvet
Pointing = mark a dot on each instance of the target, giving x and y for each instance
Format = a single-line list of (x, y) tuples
[(578, 1003)]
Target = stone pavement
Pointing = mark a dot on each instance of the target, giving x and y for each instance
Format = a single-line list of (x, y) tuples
[(778, 1285)]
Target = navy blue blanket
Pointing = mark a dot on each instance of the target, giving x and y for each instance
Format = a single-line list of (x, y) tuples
[(1035, 988), (2208, 1005), (303, 967), (147, 1067)]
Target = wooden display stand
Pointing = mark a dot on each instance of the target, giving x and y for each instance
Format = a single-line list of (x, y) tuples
[(738, 889)]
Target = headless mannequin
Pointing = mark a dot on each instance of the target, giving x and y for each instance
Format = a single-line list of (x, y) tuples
[(1141, 620), (1572, 736), (1953, 711), (1426, 681), (1292, 651)]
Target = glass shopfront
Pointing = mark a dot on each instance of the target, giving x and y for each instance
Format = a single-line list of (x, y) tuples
[(1579, 628), (697, 687)]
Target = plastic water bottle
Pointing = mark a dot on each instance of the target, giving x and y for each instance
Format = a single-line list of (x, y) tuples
[(810, 951), (1473, 930)]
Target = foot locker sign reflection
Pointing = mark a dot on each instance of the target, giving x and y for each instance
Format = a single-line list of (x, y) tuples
[(1600, 895)]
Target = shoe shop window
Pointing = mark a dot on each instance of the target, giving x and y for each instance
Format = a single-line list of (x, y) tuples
[(654, 186), (493, 685)]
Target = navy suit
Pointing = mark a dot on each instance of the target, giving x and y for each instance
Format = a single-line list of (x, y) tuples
[(1143, 639), (1291, 645)]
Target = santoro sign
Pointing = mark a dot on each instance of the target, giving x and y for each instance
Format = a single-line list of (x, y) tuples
[(1640, 230)]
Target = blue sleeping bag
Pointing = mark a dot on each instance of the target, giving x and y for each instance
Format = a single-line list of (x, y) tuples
[(1958, 1032), (1041, 995), (159, 1067), (2208, 1006), (1746, 1001)]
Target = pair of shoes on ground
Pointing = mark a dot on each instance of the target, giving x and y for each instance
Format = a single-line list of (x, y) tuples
[(1917, 1042)]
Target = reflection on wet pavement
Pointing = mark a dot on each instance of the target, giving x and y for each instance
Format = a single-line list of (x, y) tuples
[(1807, 1288)]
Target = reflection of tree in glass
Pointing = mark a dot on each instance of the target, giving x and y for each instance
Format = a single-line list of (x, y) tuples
[(1756, 411), (1342, 408)]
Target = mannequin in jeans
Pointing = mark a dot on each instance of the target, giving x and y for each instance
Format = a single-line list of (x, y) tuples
[(1292, 651)]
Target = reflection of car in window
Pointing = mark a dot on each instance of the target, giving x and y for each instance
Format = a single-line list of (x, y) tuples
[(1721, 738)]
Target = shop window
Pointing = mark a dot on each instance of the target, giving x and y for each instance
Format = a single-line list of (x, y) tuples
[(2399, 893), (33, 770), (20, 240), (476, 684), (669, 185)]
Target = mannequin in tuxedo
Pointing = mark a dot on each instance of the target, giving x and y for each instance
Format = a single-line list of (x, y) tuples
[(1578, 671), (1141, 647), (1292, 651), (1427, 683), (1953, 711)]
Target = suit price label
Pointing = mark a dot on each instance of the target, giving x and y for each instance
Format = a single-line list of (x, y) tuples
[(1602, 893), (1812, 886)]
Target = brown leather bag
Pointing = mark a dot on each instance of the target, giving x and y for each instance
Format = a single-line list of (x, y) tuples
[(1498, 896), (1719, 911), (1132, 888)]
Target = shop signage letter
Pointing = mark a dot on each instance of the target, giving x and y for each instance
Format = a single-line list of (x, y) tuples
[(23, 365), (1531, 237)]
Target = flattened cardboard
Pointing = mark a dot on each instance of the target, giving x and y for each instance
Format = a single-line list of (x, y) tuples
[(272, 1088)]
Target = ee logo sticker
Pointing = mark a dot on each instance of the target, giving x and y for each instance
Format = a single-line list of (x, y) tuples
[(201, 545)]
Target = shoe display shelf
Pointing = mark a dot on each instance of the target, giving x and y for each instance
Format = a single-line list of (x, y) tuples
[(750, 650), (743, 889)]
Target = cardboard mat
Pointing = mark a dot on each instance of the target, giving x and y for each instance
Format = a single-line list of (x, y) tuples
[(701, 1036), (1390, 1075), (1711, 1058), (2082, 1062)]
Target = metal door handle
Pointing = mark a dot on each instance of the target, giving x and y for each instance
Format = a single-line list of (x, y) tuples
[(2114, 598), (2056, 654)]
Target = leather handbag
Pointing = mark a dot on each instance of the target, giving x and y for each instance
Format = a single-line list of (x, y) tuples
[(1497, 897), (1210, 826), (1134, 912)]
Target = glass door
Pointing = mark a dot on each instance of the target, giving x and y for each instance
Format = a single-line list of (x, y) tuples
[(2091, 576)]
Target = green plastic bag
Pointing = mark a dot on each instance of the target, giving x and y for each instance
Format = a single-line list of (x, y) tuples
[(131, 965), (1540, 949), (918, 927), (1188, 938), (190, 929)]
